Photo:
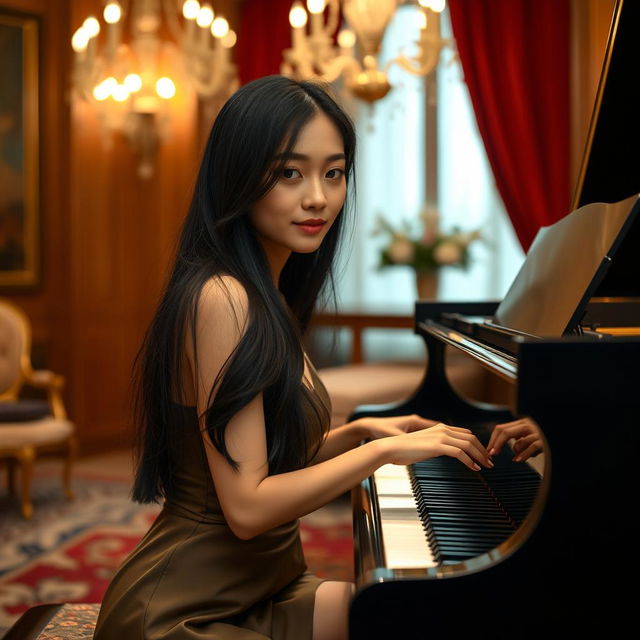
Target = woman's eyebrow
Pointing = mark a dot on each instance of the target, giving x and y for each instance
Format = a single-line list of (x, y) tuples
[(304, 157)]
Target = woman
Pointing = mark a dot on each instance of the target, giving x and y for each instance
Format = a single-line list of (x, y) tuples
[(234, 419)]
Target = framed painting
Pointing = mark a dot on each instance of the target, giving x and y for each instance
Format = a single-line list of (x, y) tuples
[(19, 152)]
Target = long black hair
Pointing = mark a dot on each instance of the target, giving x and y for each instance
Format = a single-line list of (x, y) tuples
[(258, 122)]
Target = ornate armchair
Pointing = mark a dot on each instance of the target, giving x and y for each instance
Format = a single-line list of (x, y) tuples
[(29, 427)]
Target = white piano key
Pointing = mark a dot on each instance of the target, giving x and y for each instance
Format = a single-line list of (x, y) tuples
[(403, 536)]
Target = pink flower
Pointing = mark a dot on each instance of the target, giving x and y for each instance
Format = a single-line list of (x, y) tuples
[(401, 250), (447, 253)]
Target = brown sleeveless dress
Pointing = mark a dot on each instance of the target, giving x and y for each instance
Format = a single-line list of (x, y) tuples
[(192, 578)]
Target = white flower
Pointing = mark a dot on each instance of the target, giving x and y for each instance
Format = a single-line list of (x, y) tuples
[(401, 250), (447, 253)]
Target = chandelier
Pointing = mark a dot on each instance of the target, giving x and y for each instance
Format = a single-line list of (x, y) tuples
[(355, 58), (132, 82)]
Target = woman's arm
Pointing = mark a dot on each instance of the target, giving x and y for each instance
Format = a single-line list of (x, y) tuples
[(346, 437), (339, 440), (253, 501)]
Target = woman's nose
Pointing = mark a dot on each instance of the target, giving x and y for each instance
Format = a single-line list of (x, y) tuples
[(314, 197)]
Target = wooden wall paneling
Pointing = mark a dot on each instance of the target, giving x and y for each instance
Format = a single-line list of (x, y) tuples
[(108, 237), (123, 234)]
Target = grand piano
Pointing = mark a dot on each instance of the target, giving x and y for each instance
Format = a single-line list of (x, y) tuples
[(550, 546)]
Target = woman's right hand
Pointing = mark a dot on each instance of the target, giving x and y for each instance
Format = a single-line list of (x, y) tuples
[(439, 440)]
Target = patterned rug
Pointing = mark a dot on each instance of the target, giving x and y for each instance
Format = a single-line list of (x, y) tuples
[(69, 550)]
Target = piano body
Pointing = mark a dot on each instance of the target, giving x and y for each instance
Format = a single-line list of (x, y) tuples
[(518, 552)]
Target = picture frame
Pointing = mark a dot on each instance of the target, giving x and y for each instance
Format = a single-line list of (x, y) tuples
[(19, 152)]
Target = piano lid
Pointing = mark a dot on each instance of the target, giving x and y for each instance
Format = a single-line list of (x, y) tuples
[(610, 169), (622, 280), (564, 267)]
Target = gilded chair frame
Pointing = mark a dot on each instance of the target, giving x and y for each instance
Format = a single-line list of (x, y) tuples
[(26, 454)]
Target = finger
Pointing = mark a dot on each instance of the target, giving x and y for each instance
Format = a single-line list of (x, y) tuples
[(512, 423), (502, 434), (522, 443), (497, 440), (472, 447), (456, 452), (534, 448)]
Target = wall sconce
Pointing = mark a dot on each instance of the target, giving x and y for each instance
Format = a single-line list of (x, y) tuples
[(130, 84)]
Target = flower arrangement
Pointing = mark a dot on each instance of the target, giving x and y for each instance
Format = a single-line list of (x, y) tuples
[(428, 250)]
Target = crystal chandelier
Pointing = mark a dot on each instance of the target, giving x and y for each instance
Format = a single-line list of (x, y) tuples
[(313, 54), (132, 83)]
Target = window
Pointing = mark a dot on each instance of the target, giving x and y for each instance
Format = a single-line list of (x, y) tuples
[(391, 167)]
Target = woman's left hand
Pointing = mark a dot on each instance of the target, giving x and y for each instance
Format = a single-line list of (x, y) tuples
[(526, 435), (395, 425)]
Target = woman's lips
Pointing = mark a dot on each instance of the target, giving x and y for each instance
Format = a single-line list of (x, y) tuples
[(311, 226)]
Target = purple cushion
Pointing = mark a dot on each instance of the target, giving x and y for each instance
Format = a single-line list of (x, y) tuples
[(24, 410)]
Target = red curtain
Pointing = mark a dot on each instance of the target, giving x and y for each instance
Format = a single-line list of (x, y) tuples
[(263, 33), (515, 58)]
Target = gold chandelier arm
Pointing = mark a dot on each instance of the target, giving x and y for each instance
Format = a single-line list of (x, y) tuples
[(431, 47), (297, 64), (216, 83), (425, 64), (333, 18), (340, 65)]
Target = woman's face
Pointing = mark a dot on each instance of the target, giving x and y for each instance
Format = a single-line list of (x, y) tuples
[(296, 214)]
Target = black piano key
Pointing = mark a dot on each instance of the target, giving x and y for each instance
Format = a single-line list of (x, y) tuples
[(468, 513)]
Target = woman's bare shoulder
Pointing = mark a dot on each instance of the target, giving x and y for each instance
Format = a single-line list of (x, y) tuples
[(223, 298)]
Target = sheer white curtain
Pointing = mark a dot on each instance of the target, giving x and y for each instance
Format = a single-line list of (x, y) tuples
[(391, 182)]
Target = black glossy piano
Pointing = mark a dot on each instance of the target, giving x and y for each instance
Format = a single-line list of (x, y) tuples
[(548, 547)]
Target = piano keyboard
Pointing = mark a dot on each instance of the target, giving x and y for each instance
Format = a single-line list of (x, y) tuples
[(403, 534), (439, 512)]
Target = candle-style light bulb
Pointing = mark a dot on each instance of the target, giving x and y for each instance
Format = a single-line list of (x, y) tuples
[(120, 93), (190, 9), (316, 6), (80, 40), (101, 92), (297, 16), (229, 41), (165, 88), (346, 39), (112, 13), (220, 27), (133, 82), (316, 9), (91, 26), (205, 16)]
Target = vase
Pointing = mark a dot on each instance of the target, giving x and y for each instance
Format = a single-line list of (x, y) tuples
[(427, 284)]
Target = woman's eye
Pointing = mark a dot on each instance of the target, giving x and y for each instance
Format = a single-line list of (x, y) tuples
[(290, 174), (335, 174)]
